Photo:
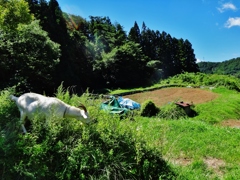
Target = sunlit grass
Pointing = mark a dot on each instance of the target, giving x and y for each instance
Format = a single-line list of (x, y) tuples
[(225, 107), (199, 139), (192, 148)]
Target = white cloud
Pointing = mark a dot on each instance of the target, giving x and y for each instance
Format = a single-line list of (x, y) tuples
[(227, 6), (232, 22), (198, 60)]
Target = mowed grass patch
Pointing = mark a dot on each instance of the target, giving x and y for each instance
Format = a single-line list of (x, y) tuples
[(191, 146), (226, 106), (199, 147)]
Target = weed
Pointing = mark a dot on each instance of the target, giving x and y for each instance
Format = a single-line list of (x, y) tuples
[(149, 109)]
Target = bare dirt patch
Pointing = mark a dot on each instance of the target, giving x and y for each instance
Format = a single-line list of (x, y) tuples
[(181, 161), (163, 96), (231, 123), (214, 164)]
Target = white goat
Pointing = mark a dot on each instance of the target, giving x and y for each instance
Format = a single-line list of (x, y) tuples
[(31, 103)]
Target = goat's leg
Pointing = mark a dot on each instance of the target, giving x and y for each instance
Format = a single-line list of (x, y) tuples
[(24, 129), (23, 117)]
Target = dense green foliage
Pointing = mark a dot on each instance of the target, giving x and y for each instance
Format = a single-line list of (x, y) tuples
[(66, 149), (230, 67), (201, 80), (149, 109), (41, 47), (87, 54), (191, 80), (13, 13), (23, 53), (28, 57)]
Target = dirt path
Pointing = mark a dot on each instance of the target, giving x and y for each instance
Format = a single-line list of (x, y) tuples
[(163, 96)]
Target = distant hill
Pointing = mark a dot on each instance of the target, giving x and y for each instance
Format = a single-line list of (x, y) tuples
[(229, 67)]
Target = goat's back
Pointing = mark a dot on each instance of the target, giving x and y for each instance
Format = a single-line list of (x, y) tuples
[(29, 99), (33, 102)]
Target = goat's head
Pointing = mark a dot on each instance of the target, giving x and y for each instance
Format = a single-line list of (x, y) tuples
[(84, 113)]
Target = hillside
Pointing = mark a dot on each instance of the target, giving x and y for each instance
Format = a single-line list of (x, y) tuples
[(229, 67), (169, 145)]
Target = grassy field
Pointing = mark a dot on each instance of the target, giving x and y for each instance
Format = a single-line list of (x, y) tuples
[(200, 147)]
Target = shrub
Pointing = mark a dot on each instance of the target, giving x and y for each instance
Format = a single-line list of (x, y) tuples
[(171, 111), (149, 109)]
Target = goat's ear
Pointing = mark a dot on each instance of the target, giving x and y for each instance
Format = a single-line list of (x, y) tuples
[(82, 107)]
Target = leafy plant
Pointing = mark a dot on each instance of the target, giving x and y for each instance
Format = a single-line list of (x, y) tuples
[(171, 111), (148, 109)]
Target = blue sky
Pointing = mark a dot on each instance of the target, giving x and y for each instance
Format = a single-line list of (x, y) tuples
[(212, 26)]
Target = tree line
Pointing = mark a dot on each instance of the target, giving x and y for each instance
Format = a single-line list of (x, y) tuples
[(41, 47), (228, 67)]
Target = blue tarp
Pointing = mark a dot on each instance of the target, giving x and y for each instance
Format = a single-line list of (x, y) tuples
[(128, 103), (120, 105)]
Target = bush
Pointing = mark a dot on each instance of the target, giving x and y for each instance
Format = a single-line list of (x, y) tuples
[(201, 79), (171, 111), (149, 109)]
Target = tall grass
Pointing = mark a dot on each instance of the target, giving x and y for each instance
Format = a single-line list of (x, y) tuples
[(201, 79), (63, 148), (190, 79)]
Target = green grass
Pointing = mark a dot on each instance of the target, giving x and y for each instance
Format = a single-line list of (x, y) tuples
[(200, 138), (225, 107), (114, 148), (195, 141)]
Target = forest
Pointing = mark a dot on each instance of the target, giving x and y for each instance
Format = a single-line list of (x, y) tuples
[(42, 47), (229, 67)]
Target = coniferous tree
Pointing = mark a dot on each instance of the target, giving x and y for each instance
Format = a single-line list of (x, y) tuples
[(134, 34), (190, 64), (120, 35), (177, 55), (73, 65), (149, 42), (165, 48)]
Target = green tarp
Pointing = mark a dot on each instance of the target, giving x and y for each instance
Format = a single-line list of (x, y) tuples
[(113, 106)]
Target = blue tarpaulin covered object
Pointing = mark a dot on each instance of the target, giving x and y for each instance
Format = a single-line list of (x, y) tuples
[(119, 106), (128, 103)]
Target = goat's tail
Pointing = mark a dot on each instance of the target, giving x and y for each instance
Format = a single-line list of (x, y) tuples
[(13, 98)]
